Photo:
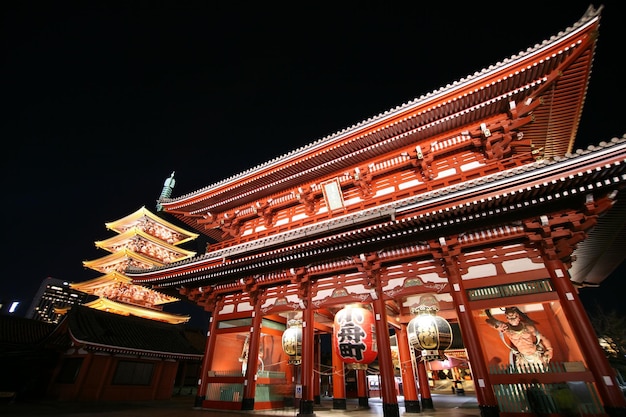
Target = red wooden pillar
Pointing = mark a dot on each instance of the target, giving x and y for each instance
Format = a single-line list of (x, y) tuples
[(249, 389), (385, 363), (316, 370), (156, 378), (606, 381), (209, 350), (308, 357), (424, 387), (339, 382), (106, 375), (85, 370), (411, 402), (485, 395), (361, 388), (183, 366)]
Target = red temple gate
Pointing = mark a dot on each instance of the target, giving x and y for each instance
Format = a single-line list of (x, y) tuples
[(468, 194)]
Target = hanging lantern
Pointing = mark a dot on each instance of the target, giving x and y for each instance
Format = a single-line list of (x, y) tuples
[(355, 336), (292, 341), (428, 332)]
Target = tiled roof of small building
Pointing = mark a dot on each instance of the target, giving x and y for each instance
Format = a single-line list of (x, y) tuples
[(113, 333), (19, 333)]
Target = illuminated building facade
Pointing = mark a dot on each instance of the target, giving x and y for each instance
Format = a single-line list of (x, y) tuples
[(144, 240), (121, 344), (471, 196), (54, 294)]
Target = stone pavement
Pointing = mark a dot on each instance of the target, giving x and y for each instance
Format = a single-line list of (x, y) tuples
[(444, 404)]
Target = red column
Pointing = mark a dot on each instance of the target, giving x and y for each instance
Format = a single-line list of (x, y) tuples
[(484, 391), (361, 387), (105, 376), (411, 402), (83, 373), (424, 387), (339, 383), (209, 349), (606, 382), (316, 369), (249, 389), (385, 363), (156, 378), (183, 375), (308, 356)]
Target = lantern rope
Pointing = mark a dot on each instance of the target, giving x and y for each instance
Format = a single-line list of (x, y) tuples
[(276, 363), (328, 372)]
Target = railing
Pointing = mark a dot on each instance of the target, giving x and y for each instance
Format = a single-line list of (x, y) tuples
[(224, 392), (563, 388), (571, 398), (236, 372), (270, 374), (531, 368), (223, 387)]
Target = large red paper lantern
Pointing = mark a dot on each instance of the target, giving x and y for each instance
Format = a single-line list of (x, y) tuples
[(354, 336)]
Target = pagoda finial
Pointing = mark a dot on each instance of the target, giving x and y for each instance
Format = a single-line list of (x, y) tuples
[(168, 186)]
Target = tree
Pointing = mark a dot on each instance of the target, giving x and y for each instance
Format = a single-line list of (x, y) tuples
[(611, 331)]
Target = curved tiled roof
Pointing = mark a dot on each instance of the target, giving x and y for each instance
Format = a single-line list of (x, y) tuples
[(105, 332), (469, 100), (18, 333)]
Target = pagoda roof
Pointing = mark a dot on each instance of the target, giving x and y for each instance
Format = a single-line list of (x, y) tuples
[(99, 285), (102, 280), (555, 72), (125, 257), (176, 235), (101, 331), (105, 304), (118, 241)]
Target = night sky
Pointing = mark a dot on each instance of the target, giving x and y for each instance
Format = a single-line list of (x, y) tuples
[(104, 100)]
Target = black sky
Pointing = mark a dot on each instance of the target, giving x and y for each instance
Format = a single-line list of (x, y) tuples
[(103, 100)]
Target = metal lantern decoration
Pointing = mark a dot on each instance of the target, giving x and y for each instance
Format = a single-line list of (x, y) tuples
[(428, 332), (292, 341), (354, 336)]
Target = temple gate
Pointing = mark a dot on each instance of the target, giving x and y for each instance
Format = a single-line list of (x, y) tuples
[(468, 195)]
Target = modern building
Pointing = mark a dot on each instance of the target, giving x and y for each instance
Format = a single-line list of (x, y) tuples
[(54, 294)]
